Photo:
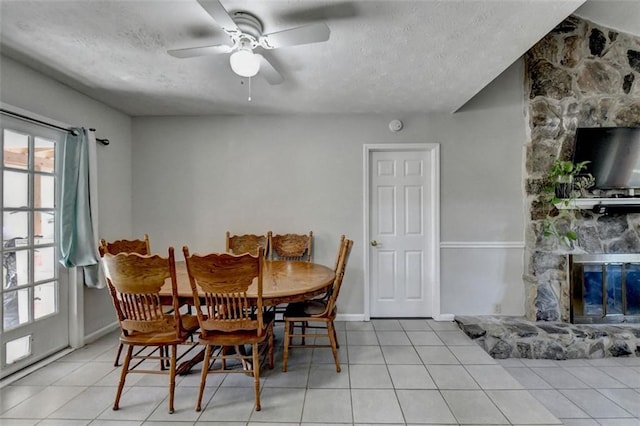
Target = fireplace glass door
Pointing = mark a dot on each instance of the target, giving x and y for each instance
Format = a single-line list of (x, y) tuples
[(605, 288)]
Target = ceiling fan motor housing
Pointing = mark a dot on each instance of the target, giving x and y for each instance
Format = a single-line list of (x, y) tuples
[(249, 30)]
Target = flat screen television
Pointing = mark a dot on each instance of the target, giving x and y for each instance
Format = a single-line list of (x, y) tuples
[(613, 154)]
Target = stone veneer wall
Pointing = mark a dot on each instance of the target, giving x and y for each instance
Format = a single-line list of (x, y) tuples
[(579, 75)]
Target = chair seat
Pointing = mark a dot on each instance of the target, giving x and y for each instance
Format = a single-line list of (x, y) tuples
[(189, 324), (233, 338), (240, 336), (305, 309)]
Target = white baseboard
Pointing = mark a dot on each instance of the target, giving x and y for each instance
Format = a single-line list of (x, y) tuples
[(361, 317), (444, 317), (89, 338), (33, 367), (350, 317)]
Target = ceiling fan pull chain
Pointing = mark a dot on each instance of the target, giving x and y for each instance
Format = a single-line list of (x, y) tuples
[(249, 89)]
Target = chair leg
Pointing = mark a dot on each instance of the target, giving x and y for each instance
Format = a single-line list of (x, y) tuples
[(203, 377), (117, 360), (287, 337), (172, 375), (335, 335), (334, 344), (303, 325), (256, 375), (224, 351), (123, 376), (271, 338), (164, 352)]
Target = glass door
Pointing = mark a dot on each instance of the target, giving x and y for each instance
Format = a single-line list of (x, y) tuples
[(35, 302)]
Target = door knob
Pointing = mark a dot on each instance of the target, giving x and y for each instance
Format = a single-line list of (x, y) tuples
[(374, 243)]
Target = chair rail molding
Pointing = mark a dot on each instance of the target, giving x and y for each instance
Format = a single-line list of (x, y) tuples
[(482, 245)]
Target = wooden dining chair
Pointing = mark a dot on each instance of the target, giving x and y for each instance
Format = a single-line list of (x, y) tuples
[(322, 312), (228, 318), (291, 246), (246, 243), (134, 284), (124, 246)]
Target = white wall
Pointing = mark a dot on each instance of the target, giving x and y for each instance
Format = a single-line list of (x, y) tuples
[(482, 200), (28, 89), (197, 177)]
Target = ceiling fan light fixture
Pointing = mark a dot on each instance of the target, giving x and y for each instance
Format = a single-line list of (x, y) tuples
[(244, 62)]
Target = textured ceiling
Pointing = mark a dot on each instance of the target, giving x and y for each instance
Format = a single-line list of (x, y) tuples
[(382, 56)]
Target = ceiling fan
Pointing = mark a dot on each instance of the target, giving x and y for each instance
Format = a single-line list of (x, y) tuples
[(245, 31)]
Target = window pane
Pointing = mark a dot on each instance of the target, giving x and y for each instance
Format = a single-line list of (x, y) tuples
[(44, 263), (44, 300), (15, 268), (18, 348), (44, 155), (44, 227), (44, 191), (15, 226), (16, 308), (15, 189), (16, 150)]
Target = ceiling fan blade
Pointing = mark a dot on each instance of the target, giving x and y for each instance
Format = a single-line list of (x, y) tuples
[(219, 14), (192, 52), (268, 71), (305, 34)]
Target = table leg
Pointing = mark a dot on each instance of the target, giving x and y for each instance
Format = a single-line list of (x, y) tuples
[(185, 367)]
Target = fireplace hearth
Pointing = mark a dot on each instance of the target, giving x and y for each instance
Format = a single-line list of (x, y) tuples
[(513, 337), (605, 288)]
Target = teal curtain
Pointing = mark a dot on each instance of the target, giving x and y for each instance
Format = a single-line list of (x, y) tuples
[(79, 206)]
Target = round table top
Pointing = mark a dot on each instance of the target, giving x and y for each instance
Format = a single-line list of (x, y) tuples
[(283, 281)]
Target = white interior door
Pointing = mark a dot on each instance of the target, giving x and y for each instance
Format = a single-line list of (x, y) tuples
[(403, 232), (35, 308)]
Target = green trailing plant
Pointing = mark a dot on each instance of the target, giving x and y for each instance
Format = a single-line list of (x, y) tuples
[(564, 183)]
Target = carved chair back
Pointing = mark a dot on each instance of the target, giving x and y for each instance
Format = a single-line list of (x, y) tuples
[(222, 280), (126, 246), (247, 243), (135, 281), (291, 246)]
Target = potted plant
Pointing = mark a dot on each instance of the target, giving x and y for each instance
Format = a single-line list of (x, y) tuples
[(565, 177), (564, 182)]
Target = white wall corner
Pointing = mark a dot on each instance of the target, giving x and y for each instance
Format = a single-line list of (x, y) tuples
[(76, 308)]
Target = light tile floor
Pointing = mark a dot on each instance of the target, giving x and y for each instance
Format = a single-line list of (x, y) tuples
[(394, 372)]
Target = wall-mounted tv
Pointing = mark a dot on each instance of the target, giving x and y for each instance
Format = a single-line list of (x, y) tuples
[(613, 153)]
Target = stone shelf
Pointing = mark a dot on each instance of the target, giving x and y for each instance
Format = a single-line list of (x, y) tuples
[(589, 203)]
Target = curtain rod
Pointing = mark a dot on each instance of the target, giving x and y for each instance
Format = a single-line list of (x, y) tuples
[(44, 123)]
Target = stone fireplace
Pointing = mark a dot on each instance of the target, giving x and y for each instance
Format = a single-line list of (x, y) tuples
[(579, 75), (605, 288)]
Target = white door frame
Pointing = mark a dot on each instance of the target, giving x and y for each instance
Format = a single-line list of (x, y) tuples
[(433, 180)]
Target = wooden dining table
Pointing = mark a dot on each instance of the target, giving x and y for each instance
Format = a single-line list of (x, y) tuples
[(283, 281)]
